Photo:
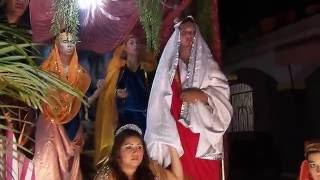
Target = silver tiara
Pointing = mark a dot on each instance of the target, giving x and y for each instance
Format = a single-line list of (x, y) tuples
[(129, 126)]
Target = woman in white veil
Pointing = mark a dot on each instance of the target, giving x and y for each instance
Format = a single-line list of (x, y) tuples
[(189, 106)]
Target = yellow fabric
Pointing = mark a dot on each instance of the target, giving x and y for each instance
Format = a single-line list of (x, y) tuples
[(107, 115), (63, 106)]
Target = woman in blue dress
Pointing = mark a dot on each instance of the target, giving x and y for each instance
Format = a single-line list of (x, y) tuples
[(123, 97), (133, 88)]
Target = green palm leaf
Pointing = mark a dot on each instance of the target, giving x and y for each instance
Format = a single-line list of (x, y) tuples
[(25, 81)]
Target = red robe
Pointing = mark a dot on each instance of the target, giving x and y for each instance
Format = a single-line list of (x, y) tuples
[(193, 168)]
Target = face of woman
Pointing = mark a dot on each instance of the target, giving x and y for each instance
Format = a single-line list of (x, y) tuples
[(131, 152), (314, 165), (132, 46), (17, 7), (65, 44), (187, 33)]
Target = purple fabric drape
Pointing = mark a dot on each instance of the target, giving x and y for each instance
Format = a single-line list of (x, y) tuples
[(99, 34)]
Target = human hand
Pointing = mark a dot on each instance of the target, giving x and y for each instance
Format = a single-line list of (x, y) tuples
[(122, 93), (193, 95), (100, 83), (78, 142), (91, 99), (97, 92)]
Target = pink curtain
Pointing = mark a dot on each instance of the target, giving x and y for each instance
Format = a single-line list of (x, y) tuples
[(100, 34)]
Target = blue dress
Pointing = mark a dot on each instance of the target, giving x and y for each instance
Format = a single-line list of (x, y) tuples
[(72, 127), (133, 108)]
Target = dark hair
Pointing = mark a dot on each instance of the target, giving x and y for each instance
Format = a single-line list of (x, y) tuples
[(143, 171), (187, 19), (24, 20), (139, 50)]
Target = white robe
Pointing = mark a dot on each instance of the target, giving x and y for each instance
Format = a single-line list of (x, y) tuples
[(211, 121)]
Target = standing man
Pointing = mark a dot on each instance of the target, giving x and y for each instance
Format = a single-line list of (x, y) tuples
[(189, 106)]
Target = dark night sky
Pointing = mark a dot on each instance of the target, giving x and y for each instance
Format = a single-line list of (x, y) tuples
[(239, 14), (238, 17)]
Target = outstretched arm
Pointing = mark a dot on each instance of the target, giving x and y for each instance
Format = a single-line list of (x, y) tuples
[(97, 92), (176, 171)]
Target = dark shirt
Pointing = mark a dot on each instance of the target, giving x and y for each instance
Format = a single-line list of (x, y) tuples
[(137, 86), (133, 108)]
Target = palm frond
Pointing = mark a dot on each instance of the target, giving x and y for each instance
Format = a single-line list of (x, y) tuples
[(150, 17), (30, 84), (20, 78), (66, 16)]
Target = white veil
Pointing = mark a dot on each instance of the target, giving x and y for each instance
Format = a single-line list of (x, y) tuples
[(210, 121)]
